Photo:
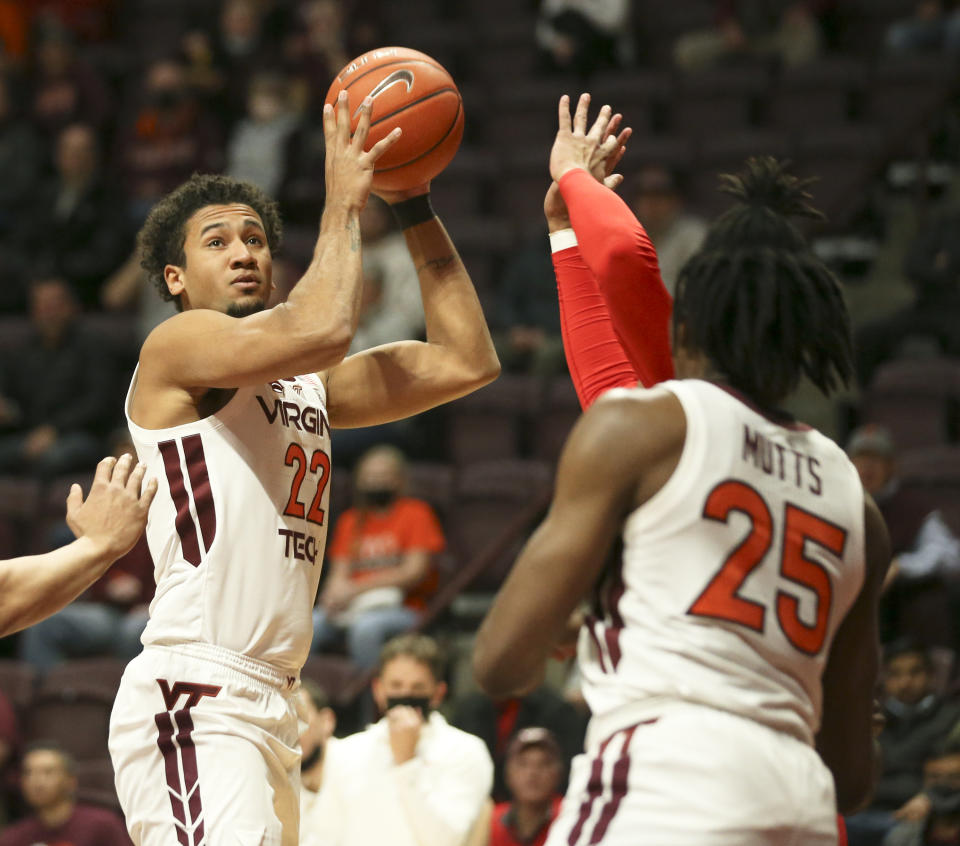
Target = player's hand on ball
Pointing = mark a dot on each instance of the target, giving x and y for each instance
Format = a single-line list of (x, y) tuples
[(349, 168)]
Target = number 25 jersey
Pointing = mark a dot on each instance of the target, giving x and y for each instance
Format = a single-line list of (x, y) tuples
[(239, 523), (734, 576)]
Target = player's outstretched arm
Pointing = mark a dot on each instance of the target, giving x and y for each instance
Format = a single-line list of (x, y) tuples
[(613, 243), (398, 380), (312, 330), (596, 488), (107, 525), (845, 741)]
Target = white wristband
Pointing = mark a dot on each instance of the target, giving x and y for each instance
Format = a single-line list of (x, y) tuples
[(562, 239)]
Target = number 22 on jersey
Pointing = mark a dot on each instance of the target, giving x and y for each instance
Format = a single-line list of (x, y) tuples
[(721, 598)]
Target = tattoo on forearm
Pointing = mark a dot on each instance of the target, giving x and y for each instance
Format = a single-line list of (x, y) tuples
[(436, 263), (353, 229)]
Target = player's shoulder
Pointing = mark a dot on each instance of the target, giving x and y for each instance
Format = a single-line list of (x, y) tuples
[(184, 327), (634, 420)]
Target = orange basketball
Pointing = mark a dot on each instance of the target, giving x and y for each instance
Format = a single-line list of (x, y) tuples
[(414, 92)]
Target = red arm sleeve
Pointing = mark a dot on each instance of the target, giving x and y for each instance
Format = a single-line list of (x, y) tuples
[(624, 263), (595, 358)]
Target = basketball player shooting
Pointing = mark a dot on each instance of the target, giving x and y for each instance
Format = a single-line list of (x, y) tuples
[(231, 407), (734, 635)]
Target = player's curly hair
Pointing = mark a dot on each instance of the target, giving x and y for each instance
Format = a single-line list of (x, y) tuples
[(756, 300), (162, 236)]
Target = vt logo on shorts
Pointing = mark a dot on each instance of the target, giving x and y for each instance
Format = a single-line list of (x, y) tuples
[(175, 740)]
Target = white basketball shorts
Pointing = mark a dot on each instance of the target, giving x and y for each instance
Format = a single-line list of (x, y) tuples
[(205, 746), (696, 776)]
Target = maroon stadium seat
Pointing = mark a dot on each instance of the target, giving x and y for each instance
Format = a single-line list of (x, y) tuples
[(17, 681), (487, 424)]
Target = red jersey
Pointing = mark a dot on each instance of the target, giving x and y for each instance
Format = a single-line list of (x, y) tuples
[(375, 540), (87, 826), (502, 832)]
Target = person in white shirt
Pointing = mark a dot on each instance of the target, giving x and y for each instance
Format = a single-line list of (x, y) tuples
[(321, 721), (410, 779)]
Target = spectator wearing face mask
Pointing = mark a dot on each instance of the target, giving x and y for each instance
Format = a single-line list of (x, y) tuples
[(410, 779), (381, 567), (917, 720)]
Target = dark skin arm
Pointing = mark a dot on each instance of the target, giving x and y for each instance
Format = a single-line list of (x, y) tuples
[(845, 741), (596, 487)]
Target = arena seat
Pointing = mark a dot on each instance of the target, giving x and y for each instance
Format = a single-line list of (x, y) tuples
[(819, 94), (487, 424), (915, 399), (727, 97), (489, 496), (18, 681), (333, 673), (552, 425), (95, 783), (432, 481), (78, 720), (84, 675)]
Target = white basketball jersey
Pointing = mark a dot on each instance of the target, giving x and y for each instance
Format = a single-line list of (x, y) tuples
[(734, 576), (239, 523)]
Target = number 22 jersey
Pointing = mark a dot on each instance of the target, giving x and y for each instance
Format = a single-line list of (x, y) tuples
[(239, 523), (734, 576)]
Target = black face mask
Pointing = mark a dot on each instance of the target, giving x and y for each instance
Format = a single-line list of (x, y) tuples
[(308, 762), (421, 703), (377, 497)]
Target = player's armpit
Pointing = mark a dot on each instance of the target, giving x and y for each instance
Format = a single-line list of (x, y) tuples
[(203, 348), (619, 454), (845, 739)]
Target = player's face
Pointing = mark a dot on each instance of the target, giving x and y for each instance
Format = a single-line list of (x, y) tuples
[(533, 774), (45, 780), (906, 679), (406, 676), (228, 264)]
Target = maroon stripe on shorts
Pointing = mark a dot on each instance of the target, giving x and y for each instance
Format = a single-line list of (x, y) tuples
[(188, 755), (590, 622), (171, 766), (202, 492), (186, 528), (594, 789), (621, 769)]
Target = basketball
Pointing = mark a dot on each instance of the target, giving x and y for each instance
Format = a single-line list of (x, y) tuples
[(412, 91)]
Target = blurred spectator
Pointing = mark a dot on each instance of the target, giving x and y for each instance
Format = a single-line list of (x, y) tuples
[(392, 310), (584, 36), (410, 778), (223, 56), (934, 817), (527, 314), (935, 25), (786, 30), (495, 723), (110, 616), (9, 749), (316, 739), (316, 49), (129, 289), (49, 787), (381, 569), (256, 151), (55, 393), (929, 325), (534, 768), (166, 140), (89, 20), (64, 88), (75, 220), (20, 161), (925, 549), (658, 203), (302, 190), (917, 719)]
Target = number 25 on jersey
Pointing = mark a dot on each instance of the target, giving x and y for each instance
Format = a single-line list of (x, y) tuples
[(721, 598)]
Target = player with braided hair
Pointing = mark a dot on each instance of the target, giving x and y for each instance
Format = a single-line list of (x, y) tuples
[(734, 636)]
